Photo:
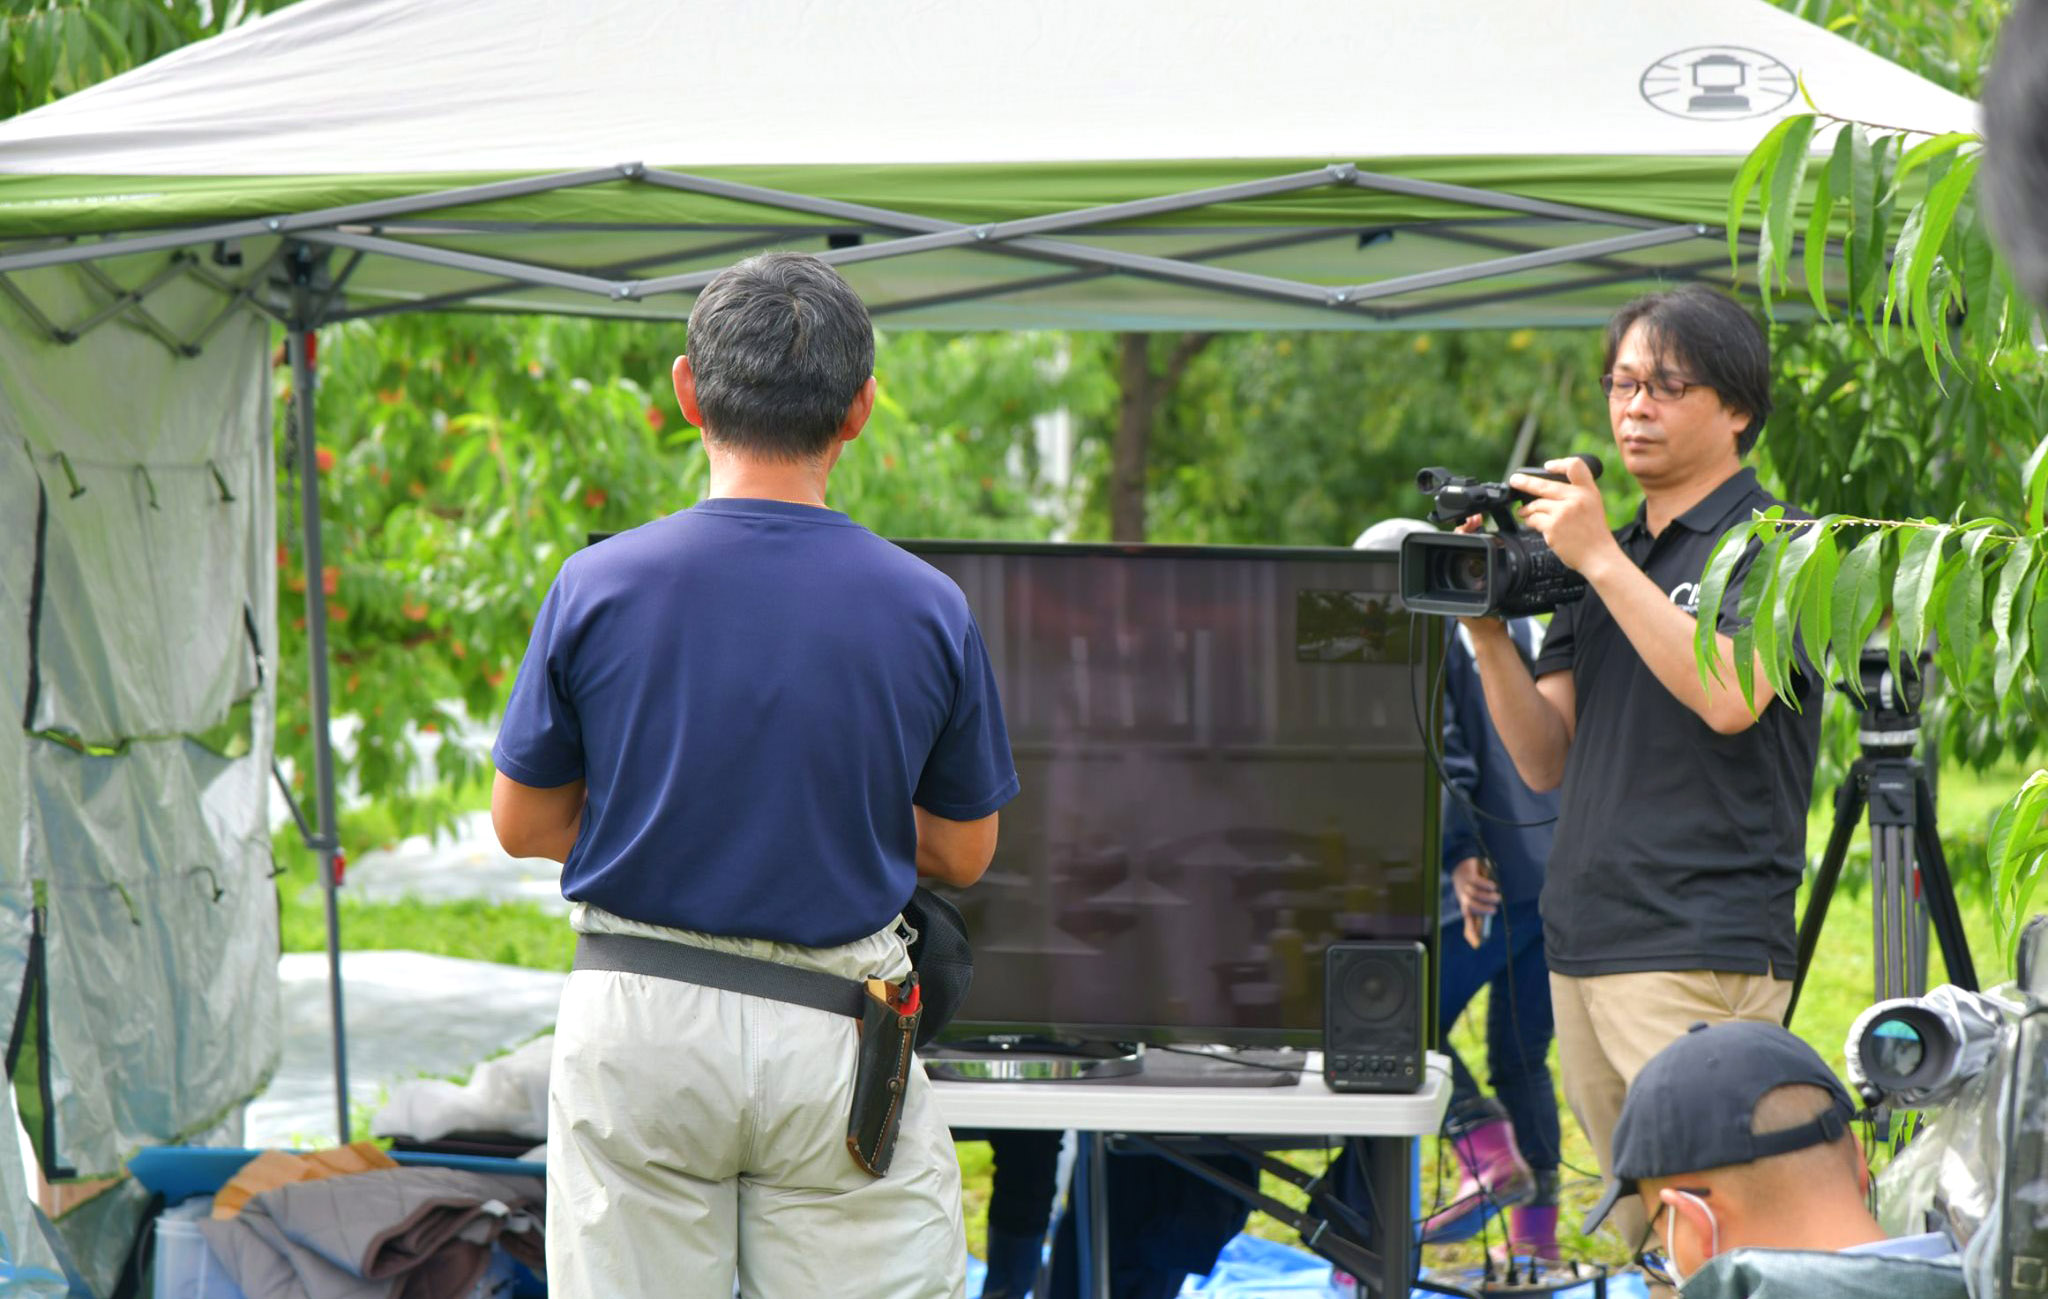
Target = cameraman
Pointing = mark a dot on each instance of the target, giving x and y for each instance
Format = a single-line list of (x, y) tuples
[(1682, 824)]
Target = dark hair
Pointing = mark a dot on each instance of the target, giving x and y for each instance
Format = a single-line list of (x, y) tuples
[(780, 346), (1718, 343), (2014, 179)]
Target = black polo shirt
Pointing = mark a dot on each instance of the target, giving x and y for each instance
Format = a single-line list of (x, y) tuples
[(1677, 848)]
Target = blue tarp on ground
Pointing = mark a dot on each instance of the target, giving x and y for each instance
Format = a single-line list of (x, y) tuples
[(1251, 1268)]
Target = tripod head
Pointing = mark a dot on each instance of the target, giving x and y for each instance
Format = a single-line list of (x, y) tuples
[(1889, 704)]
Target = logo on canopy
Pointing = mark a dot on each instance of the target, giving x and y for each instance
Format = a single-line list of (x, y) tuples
[(1718, 83)]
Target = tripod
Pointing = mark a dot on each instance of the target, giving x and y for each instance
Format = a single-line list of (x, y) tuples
[(1909, 877)]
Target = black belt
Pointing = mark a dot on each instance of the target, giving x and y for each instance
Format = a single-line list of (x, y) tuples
[(888, 1015), (727, 971)]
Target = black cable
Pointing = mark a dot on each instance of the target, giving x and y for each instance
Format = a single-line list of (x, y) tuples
[(1432, 745), (1210, 1055), (1433, 691)]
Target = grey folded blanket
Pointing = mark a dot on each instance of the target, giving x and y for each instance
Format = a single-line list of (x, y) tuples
[(399, 1233)]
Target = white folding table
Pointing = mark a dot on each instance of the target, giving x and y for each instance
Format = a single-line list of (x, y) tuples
[(1096, 1110)]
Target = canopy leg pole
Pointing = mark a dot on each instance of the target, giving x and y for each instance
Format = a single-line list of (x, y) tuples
[(299, 344)]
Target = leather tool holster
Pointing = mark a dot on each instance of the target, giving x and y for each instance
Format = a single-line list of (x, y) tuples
[(890, 1014)]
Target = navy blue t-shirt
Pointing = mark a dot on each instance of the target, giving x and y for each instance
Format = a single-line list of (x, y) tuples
[(756, 692)]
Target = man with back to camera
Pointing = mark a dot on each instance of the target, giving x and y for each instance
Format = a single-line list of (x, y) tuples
[(749, 726), (1682, 824), (1736, 1136)]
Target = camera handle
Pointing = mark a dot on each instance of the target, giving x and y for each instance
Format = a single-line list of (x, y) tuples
[(1909, 878)]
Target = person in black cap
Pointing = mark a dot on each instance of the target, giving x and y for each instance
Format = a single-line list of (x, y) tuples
[(1736, 1136)]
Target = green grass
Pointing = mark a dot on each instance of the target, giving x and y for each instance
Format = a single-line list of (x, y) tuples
[(1839, 985), (509, 933)]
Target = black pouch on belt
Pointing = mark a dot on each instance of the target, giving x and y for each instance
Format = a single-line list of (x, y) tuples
[(881, 1075)]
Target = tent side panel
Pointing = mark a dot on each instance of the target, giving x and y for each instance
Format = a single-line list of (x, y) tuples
[(37, 1267), (141, 632), (148, 755)]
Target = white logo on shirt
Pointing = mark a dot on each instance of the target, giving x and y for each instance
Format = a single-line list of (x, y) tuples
[(1686, 595)]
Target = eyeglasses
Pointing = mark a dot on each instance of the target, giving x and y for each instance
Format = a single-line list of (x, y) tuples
[(1623, 388), (1655, 1266)]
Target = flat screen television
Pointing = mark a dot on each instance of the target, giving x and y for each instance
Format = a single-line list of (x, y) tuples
[(1222, 774)]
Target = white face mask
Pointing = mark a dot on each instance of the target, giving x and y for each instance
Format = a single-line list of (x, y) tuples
[(1671, 1224)]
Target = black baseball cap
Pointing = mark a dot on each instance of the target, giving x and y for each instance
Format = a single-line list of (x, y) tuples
[(1690, 1108)]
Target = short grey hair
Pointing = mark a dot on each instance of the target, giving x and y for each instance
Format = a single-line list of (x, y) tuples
[(780, 346)]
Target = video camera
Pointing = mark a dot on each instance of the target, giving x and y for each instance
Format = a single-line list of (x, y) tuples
[(1919, 1051), (1977, 1065), (1472, 574)]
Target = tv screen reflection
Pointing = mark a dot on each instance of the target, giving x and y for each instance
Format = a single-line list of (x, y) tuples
[(1222, 775)]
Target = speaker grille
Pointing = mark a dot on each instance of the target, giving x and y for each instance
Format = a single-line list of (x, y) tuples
[(1374, 988), (1373, 1004)]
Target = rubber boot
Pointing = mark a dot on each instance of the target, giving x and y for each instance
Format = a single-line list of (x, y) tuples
[(1495, 1178), (1012, 1265), (1532, 1234)]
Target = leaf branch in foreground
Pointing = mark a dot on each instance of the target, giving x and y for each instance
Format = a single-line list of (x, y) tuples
[(2018, 849)]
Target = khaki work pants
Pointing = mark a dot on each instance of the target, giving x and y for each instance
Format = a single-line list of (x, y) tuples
[(697, 1136), (1608, 1027)]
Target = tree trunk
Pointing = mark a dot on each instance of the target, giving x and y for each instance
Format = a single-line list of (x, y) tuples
[(1142, 394), (1136, 407)]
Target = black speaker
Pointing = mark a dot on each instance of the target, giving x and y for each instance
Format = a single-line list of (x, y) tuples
[(1373, 999)]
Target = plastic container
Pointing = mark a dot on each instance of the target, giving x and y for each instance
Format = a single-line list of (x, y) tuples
[(185, 1265)]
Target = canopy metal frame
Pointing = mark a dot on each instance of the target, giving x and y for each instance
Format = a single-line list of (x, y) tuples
[(366, 228), (295, 287)]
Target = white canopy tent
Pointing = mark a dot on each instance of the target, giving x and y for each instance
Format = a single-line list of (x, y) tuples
[(1151, 163), (1354, 164)]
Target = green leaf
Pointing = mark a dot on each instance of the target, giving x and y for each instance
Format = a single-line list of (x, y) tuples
[(1817, 225), (1761, 607), (2037, 622), (2012, 576), (1765, 155), (1979, 274), (2010, 606), (1858, 598), (1753, 631), (1789, 599), (1919, 564), (1928, 150), (1872, 206), (1898, 288), (1721, 563), (2014, 850), (1782, 186), (2035, 475), (1960, 602), (1935, 215), (1817, 605), (1744, 649)]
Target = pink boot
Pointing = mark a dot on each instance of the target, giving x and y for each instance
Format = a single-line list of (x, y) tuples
[(1532, 1234), (1496, 1178)]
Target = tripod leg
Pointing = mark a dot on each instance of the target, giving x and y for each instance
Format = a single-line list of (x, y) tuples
[(1849, 799), (1939, 890), (1895, 910)]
